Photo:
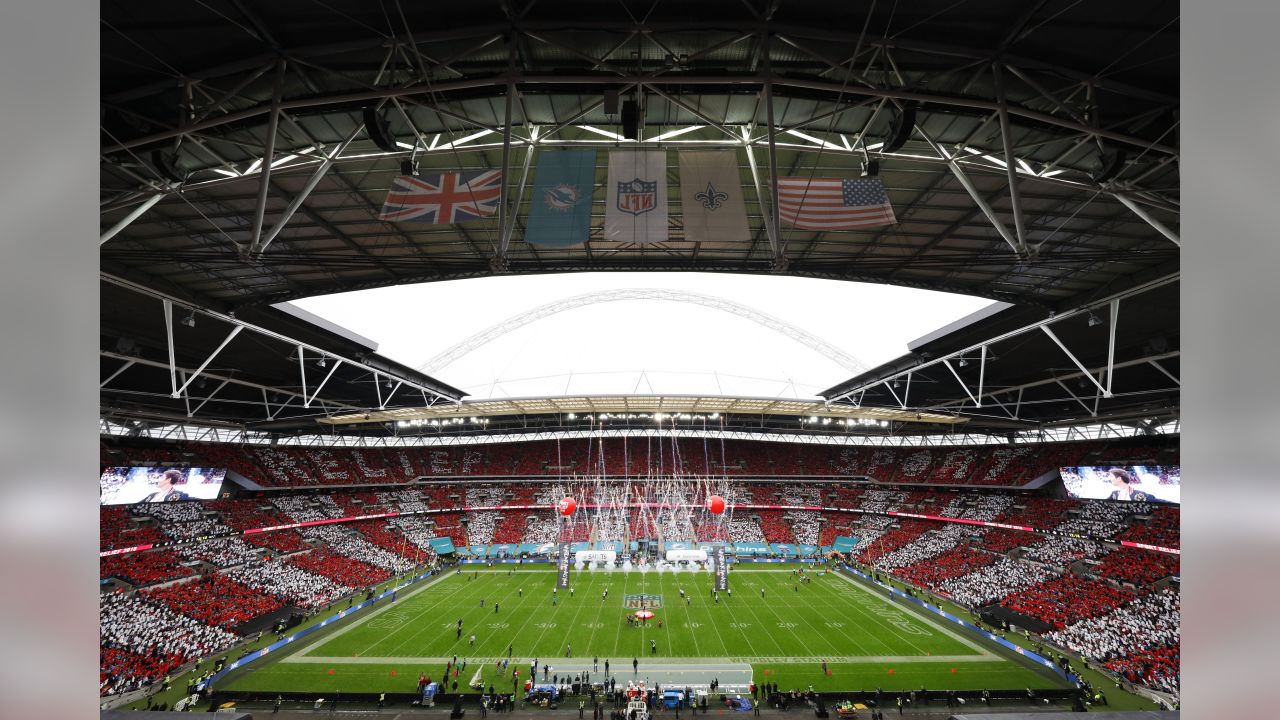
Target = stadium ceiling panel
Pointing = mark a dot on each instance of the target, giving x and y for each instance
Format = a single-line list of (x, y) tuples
[(1037, 161), (648, 407)]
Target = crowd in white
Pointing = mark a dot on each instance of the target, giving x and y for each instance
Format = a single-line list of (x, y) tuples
[(195, 528), (1103, 519), (931, 544), (299, 508), (128, 622), (744, 529), (994, 582), (1151, 621), (415, 529), (805, 525), (346, 541), (480, 525), (171, 512), (882, 500), (289, 583), (541, 529), (1147, 622), (1062, 551), (405, 501), (222, 552), (870, 530), (983, 507)]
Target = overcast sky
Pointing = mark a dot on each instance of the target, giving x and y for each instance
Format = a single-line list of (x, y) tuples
[(642, 346)]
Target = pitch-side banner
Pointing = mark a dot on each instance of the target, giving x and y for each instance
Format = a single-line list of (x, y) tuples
[(711, 196), (636, 204), (721, 569), (562, 566)]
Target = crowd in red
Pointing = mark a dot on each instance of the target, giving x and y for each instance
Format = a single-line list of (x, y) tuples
[(117, 529), (1065, 600), (1038, 512), (144, 568), (1163, 529), (909, 532), (1155, 667), (1141, 567), (339, 568), (382, 535), (121, 670), (282, 541), (953, 563), (775, 528), (300, 467), (215, 600), (245, 514), (1000, 540)]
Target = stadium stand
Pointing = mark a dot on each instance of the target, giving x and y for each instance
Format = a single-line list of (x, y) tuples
[(214, 600), (1065, 600)]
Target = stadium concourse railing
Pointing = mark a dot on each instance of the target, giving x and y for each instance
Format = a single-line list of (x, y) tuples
[(506, 508)]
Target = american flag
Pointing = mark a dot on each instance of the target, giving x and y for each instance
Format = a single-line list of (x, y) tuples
[(833, 203), (443, 199)]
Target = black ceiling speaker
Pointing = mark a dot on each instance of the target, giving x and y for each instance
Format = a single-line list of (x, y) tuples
[(166, 163), (610, 102), (1107, 166), (379, 130), (631, 120), (904, 121)]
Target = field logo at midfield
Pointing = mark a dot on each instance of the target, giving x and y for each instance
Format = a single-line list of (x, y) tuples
[(642, 602)]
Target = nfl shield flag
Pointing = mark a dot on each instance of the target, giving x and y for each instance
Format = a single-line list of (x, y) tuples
[(560, 206), (711, 196), (636, 205)]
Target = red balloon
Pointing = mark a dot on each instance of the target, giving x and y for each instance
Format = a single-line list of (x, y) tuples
[(567, 506), (715, 504)]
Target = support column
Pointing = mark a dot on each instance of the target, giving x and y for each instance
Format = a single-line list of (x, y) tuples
[(268, 153), (1010, 161), (775, 237)]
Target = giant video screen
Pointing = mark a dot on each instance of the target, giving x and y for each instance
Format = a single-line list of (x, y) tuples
[(1150, 483), (129, 485)]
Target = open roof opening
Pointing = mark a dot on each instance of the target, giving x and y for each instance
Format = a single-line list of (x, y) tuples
[(650, 333)]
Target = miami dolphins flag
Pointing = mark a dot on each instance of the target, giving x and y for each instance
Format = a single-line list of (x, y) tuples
[(711, 196), (636, 205), (560, 207)]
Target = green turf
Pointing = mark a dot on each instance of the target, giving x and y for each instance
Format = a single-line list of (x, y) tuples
[(784, 635)]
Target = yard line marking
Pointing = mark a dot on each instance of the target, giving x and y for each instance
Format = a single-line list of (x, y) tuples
[(470, 595), (348, 627), (819, 633), (657, 662), (923, 618)]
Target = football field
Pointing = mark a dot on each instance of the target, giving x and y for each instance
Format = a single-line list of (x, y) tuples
[(769, 627)]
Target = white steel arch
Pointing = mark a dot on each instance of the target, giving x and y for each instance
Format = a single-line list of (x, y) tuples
[(829, 351)]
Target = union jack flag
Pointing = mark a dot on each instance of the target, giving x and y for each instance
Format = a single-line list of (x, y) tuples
[(443, 199)]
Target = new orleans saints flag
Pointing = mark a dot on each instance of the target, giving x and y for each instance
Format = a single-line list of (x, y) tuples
[(711, 196)]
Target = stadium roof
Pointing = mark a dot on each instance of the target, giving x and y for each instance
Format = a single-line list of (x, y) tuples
[(643, 407), (1040, 167)]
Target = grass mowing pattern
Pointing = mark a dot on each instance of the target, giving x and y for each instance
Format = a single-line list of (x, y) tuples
[(785, 634)]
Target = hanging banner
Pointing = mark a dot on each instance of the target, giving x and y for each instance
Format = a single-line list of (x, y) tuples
[(636, 203), (562, 566), (711, 197), (721, 569), (560, 205)]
